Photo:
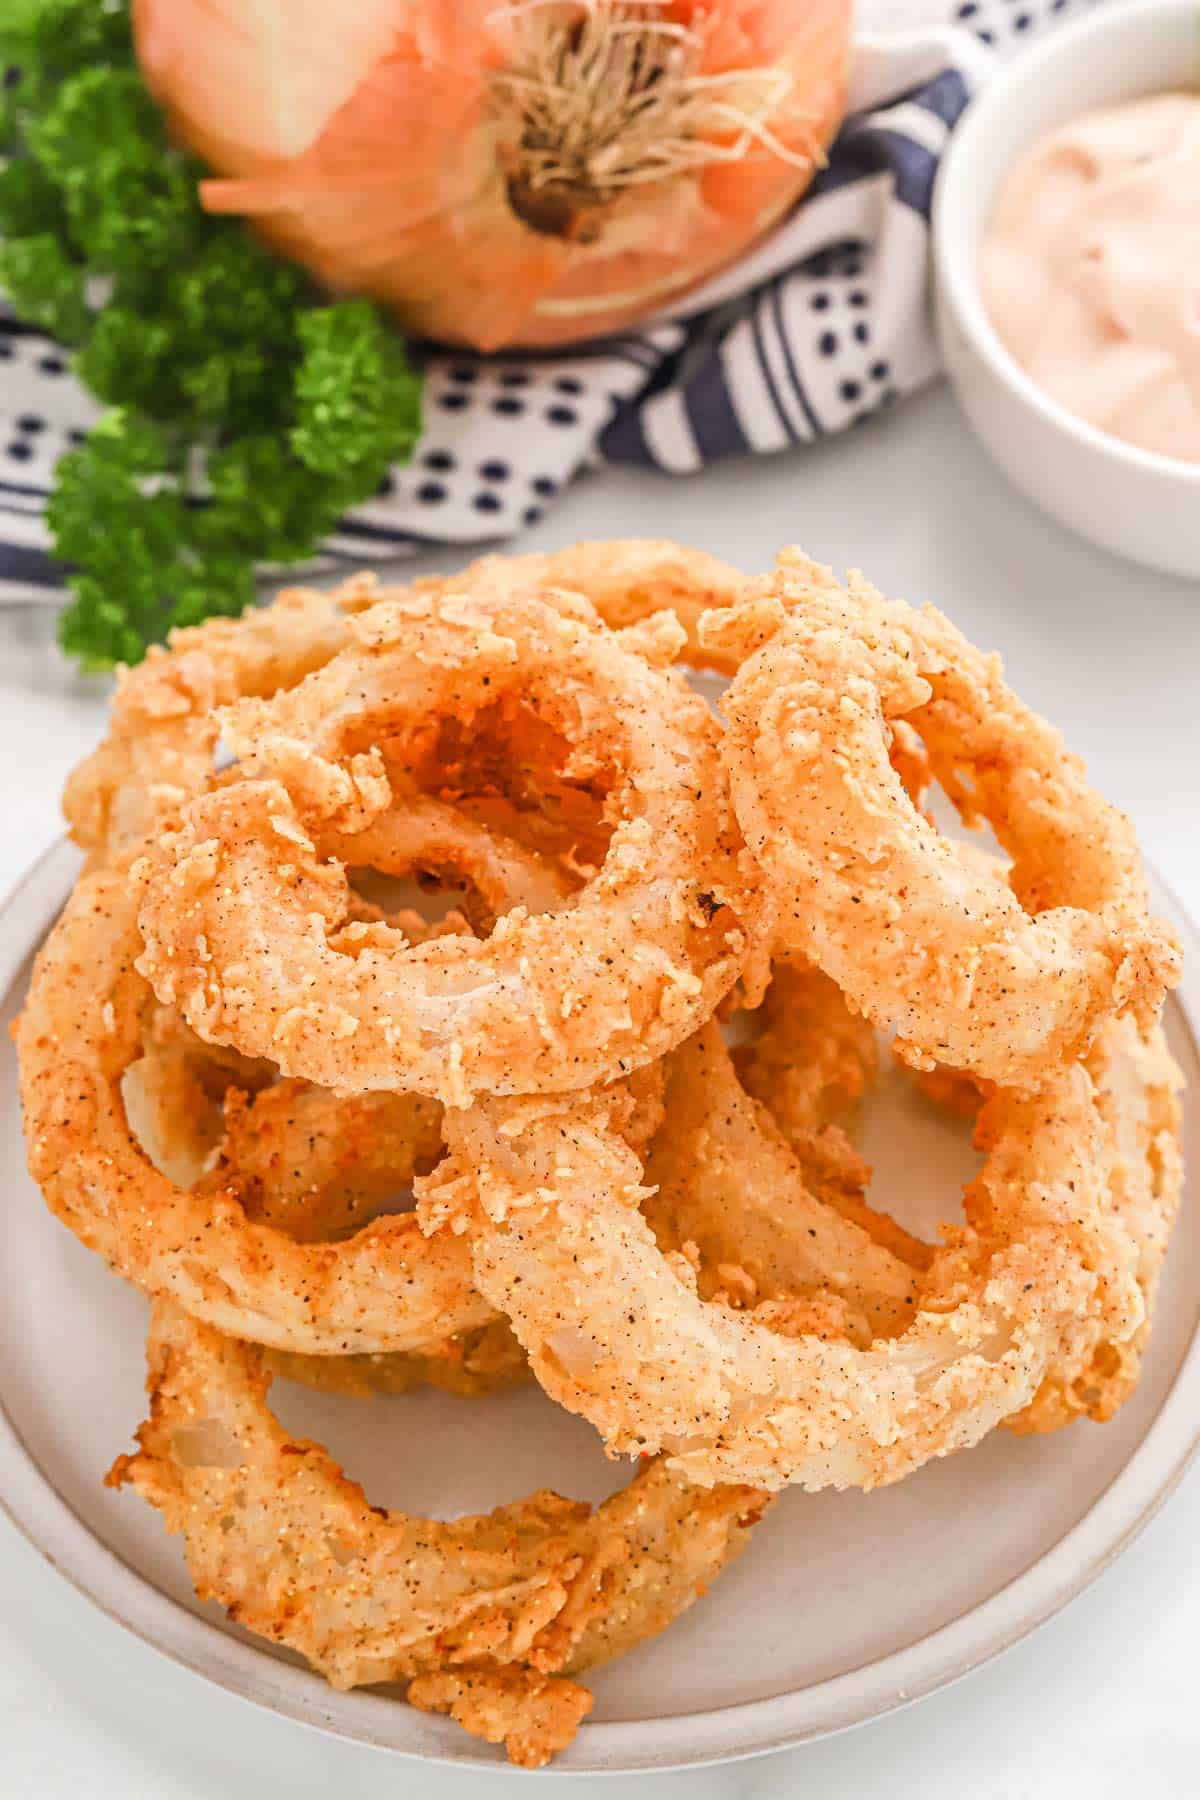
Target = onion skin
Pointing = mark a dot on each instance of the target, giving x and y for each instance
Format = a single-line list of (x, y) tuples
[(389, 158)]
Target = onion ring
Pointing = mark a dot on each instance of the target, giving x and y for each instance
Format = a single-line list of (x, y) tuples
[(164, 729), (1004, 982), (277, 1534), (1137, 1086), (641, 955), (318, 1167), (377, 1291), (380, 1290), (547, 1193)]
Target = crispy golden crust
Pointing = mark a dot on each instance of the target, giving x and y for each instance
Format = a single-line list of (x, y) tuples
[(533, 1715), (274, 1532), (317, 1167), (809, 1063), (165, 725), (473, 1363), (1041, 1274), (1137, 1084), (1007, 982), (175, 1092), (627, 580), (380, 1289), (739, 1212), (809, 1058), (645, 950), (727, 1188), (281, 1240)]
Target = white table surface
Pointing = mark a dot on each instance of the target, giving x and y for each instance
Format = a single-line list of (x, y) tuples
[(1101, 1699)]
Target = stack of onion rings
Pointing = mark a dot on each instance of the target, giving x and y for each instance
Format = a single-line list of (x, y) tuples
[(242, 1048)]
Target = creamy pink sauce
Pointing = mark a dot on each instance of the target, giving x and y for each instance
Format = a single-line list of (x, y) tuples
[(1091, 270)]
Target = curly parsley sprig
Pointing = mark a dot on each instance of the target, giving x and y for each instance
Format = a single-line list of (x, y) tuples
[(246, 415)]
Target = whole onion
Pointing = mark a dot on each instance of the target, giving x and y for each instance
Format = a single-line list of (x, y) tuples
[(503, 171)]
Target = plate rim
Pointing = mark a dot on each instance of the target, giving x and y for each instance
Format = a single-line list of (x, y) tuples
[(31, 1503)]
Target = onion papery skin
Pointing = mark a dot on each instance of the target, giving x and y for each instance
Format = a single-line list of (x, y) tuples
[(480, 167)]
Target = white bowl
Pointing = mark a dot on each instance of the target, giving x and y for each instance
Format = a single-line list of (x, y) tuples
[(1143, 506)]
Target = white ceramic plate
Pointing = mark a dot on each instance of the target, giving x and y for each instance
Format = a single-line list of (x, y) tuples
[(845, 1606)]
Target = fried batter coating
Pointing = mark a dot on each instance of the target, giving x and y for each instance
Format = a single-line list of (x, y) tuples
[(1005, 979), (165, 721), (644, 951), (274, 1532), (1041, 1274), (627, 580), (80, 1030)]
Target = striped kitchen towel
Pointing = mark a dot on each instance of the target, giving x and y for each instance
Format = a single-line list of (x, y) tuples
[(821, 325)]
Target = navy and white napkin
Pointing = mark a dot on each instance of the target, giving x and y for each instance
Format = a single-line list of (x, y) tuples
[(817, 328)]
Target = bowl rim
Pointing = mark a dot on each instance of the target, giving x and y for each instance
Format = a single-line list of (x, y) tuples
[(955, 270)]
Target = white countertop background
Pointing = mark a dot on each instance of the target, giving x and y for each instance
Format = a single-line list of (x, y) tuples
[(1100, 1701)]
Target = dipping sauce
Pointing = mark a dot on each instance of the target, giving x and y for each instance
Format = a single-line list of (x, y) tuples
[(1091, 270)]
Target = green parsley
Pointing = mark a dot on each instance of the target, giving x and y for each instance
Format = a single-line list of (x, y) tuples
[(246, 414)]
